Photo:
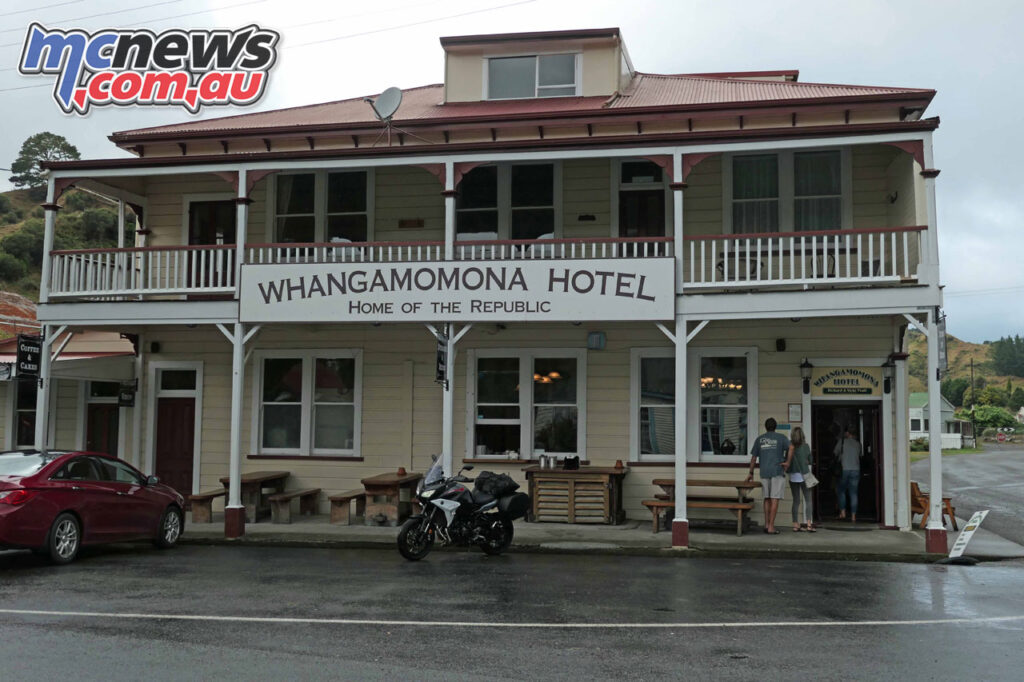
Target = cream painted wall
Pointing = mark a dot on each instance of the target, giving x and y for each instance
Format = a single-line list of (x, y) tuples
[(398, 367)]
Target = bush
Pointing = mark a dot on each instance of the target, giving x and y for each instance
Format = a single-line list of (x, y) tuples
[(919, 445), (11, 269), (5, 203), (79, 201), (37, 212), (99, 226), (990, 415), (10, 218), (27, 243), (989, 432)]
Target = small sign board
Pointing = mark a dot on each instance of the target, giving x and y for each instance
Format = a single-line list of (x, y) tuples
[(827, 382), (1001, 437), (126, 394), (943, 358), (30, 350), (441, 371), (965, 535)]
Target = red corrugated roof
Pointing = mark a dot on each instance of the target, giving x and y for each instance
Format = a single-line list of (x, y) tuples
[(424, 104)]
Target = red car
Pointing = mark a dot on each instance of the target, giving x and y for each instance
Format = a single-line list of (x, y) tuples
[(55, 502)]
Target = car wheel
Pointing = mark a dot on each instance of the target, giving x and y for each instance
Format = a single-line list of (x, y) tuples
[(171, 525), (65, 539)]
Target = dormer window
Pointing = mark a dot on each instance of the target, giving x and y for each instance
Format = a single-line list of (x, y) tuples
[(546, 75)]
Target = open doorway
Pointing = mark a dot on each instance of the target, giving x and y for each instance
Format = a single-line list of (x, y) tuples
[(829, 421)]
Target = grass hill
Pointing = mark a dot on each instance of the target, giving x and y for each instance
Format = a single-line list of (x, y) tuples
[(959, 353), (86, 220)]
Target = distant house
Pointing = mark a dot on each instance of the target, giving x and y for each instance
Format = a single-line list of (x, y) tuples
[(953, 430)]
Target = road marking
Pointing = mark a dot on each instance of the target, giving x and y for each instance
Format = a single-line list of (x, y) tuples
[(474, 624), (986, 487)]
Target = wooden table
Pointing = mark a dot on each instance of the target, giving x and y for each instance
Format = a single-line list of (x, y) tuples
[(389, 487), (584, 495), (254, 483)]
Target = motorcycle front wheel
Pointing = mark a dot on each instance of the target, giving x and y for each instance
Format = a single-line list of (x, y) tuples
[(415, 539), (499, 538)]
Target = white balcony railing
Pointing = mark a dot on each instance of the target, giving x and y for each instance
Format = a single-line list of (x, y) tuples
[(885, 255), (802, 258)]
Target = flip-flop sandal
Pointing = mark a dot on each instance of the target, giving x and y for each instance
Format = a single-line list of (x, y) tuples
[(797, 530), (773, 532)]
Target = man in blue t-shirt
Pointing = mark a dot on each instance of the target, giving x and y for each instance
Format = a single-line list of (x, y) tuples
[(771, 449)]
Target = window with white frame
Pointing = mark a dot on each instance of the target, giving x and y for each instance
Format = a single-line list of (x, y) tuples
[(308, 402), (509, 422), (323, 206), (726, 401), (547, 75), (642, 199), (508, 201), (788, 191), (653, 400)]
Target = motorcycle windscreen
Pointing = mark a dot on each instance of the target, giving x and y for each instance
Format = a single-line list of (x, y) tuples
[(514, 506)]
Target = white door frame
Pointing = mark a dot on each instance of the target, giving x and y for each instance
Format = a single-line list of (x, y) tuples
[(888, 426), (154, 392)]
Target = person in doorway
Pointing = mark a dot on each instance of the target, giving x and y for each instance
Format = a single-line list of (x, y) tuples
[(848, 451), (770, 449), (798, 464)]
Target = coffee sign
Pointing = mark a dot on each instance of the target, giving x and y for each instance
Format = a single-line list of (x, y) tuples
[(463, 291), (30, 349), (846, 381)]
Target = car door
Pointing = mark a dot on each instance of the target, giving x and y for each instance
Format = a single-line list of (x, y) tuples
[(78, 485), (130, 512)]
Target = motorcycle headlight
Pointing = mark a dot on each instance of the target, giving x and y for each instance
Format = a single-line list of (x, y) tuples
[(427, 494)]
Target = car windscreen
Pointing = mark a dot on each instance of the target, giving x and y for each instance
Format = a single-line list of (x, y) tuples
[(24, 463)]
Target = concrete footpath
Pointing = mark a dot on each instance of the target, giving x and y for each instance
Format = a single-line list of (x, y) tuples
[(832, 541)]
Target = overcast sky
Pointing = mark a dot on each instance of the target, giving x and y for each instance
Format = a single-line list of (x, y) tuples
[(969, 51)]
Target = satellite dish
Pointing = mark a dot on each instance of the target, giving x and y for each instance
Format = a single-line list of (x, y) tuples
[(387, 103)]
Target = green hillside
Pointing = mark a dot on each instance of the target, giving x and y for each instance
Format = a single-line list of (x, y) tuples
[(84, 221), (960, 354)]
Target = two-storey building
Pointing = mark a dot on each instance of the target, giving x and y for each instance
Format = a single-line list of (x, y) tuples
[(619, 265)]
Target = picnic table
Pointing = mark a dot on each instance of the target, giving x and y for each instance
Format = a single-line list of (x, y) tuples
[(257, 486), (392, 507), (740, 506)]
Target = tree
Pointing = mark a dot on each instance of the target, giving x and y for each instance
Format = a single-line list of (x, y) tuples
[(11, 269), (1008, 356), (986, 416), (41, 147), (1016, 400), (991, 396), (953, 390)]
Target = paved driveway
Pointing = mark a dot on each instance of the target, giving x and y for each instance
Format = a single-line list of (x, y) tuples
[(992, 480)]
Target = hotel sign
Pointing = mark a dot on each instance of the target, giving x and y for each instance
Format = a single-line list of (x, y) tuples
[(846, 381), (461, 291)]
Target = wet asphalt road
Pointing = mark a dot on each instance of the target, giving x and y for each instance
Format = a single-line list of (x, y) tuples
[(252, 582), (992, 480)]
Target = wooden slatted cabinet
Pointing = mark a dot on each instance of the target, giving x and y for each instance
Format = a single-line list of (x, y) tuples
[(584, 495)]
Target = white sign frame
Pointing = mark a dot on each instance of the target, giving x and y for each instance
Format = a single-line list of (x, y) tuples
[(577, 290)]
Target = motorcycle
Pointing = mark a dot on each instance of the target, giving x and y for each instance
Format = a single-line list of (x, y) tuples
[(455, 515)]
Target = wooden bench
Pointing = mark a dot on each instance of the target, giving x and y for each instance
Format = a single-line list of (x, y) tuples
[(341, 506), (281, 504), (202, 505), (736, 507), (920, 503)]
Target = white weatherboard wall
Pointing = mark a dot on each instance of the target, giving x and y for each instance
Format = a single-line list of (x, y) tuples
[(401, 408)]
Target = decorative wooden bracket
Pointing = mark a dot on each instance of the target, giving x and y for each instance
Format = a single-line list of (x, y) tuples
[(913, 147)]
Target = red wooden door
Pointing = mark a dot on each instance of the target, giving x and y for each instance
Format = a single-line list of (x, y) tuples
[(101, 428), (175, 447)]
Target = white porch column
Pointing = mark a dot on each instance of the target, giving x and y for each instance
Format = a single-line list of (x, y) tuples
[(43, 390), (120, 223), (140, 372), (935, 532), (930, 250), (449, 210), (677, 186), (234, 512), (680, 524), (242, 202), (448, 404), (49, 221), (888, 453), (902, 446)]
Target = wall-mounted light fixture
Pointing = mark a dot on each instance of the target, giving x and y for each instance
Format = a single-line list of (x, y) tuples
[(805, 374), (888, 371)]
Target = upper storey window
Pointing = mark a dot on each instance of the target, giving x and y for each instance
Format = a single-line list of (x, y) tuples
[(547, 75)]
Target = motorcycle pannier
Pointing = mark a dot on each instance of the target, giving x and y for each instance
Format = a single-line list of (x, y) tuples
[(497, 485), (515, 506)]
